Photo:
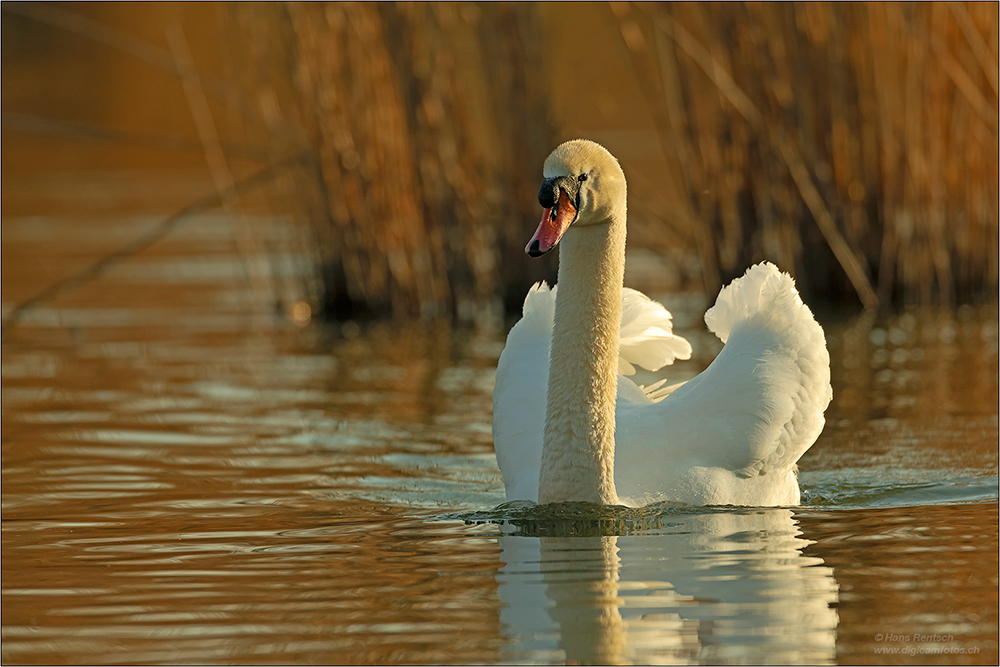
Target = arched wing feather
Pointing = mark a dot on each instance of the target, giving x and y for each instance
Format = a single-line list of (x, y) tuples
[(759, 405)]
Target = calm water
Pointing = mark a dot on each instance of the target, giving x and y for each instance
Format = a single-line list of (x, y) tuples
[(187, 480)]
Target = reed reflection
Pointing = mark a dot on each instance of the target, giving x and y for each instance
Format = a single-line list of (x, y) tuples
[(714, 587)]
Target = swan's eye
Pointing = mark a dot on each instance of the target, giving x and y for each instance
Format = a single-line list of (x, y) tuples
[(581, 178)]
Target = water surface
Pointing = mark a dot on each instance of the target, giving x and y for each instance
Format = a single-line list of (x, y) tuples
[(188, 478)]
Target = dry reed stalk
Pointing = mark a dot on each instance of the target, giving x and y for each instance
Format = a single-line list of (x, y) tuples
[(669, 113), (423, 115), (260, 281), (198, 87), (875, 125), (241, 187), (266, 38), (978, 45), (98, 32), (717, 73)]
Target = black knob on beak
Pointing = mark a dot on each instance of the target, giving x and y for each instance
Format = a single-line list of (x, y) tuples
[(548, 194)]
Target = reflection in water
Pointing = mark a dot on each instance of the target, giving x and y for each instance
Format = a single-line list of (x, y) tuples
[(560, 599), (721, 587)]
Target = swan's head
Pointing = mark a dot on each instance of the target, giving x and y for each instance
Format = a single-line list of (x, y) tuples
[(584, 185)]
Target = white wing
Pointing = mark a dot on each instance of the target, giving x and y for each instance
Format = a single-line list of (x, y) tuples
[(647, 337), (520, 393), (732, 434)]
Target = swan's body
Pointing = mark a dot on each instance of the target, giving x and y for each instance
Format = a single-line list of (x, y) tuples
[(568, 427)]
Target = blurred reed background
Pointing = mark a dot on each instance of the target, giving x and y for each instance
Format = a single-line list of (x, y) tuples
[(429, 123), (853, 142), (856, 145)]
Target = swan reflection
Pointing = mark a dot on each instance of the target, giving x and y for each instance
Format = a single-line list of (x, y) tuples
[(717, 587)]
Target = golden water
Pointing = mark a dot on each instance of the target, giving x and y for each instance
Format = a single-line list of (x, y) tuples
[(188, 480)]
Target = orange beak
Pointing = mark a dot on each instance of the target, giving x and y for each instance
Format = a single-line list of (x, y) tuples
[(555, 222)]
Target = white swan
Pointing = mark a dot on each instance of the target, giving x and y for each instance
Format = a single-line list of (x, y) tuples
[(567, 426)]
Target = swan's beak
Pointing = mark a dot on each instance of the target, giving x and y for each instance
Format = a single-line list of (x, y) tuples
[(555, 222)]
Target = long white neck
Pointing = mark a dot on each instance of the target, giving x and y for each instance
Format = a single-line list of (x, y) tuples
[(578, 452)]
